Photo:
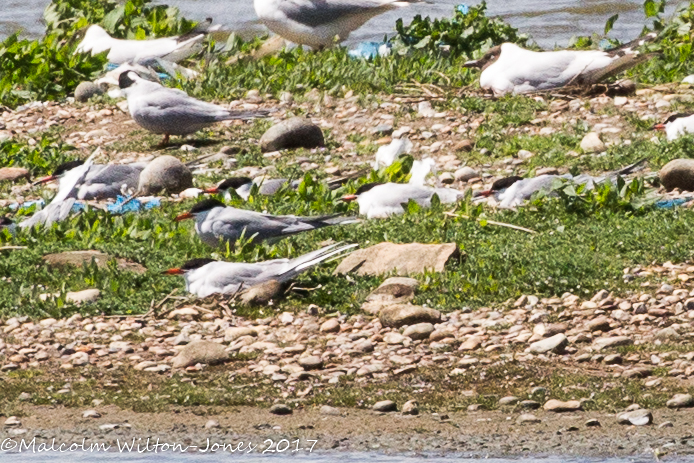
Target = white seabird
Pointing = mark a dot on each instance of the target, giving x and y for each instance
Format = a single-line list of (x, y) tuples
[(205, 277), (174, 49), (508, 68), (320, 23), (170, 111), (381, 200), (99, 181), (215, 222), (677, 125)]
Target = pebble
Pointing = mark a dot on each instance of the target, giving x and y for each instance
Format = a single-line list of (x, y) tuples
[(296, 132), (639, 417), (681, 401), (410, 408), (165, 173), (330, 326), (12, 421), (86, 90), (311, 362), (555, 344), (592, 423), (419, 331), (330, 411), (528, 418), (591, 143), (212, 424), (558, 406), (91, 414)]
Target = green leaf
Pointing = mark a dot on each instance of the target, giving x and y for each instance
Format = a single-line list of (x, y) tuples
[(610, 23), (112, 19)]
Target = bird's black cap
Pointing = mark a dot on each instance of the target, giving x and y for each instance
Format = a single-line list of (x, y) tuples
[(206, 205), (234, 182), (366, 187), (505, 182), (196, 263), (124, 80), (67, 166)]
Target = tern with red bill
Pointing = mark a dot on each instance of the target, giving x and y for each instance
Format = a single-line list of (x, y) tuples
[(508, 68), (205, 277), (677, 125), (215, 222), (170, 111), (381, 200)]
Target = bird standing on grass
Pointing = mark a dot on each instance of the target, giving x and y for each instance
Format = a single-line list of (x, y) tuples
[(215, 222), (508, 68), (206, 276), (320, 23), (170, 111)]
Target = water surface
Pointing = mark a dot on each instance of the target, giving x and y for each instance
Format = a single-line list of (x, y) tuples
[(550, 22)]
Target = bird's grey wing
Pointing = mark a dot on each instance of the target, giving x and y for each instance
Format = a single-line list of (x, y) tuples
[(173, 103), (315, 13)]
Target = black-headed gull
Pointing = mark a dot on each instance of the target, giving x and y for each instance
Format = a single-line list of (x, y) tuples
[(174, 49), (381, 200), (205, 277), (677, 125), (215, 222), (320, 23), (170, 111), (508, 68)]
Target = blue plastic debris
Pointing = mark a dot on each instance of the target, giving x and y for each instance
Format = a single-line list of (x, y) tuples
[(605, 45), (672, 203), (163, 76), (26, 205), (462, 8), (134, 205), (368, 50)]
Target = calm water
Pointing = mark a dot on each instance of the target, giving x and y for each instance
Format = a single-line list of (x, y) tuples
[(550, 22), (315, 458)]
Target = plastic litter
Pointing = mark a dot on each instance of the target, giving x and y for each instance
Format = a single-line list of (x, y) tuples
[(369, 50), (672, 203), (134, 205)]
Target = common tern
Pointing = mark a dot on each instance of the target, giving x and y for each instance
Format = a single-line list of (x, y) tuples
[(243, 186), (205, 276), (174, 49), (677, 125), (99, 181), (381, 200), (170, 111), (513, 191), (508, 68), (215, 222), (320, 23)]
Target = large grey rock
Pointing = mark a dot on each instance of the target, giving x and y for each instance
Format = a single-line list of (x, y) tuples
[(403, 259), (311, 362), (678, 174), (554, 344), (86, 90), (419, 331), (395, 290), (165, 173), (297, 132), (638, 417), (395, 316), (196, 352)]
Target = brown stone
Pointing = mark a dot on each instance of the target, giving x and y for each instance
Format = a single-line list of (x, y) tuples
[(395, 316), (11, 174), (403, 259)]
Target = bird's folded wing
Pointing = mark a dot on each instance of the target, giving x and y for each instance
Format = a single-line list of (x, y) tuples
[(320, 12)]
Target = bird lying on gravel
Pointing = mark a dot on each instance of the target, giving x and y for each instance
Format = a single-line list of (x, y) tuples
[(677, 125), (170, 111), (508, 68), (381, 200), (174, 49), (318, 23), (206, 276), (215, 222), (244, 185), (512, 191), (99, 181)]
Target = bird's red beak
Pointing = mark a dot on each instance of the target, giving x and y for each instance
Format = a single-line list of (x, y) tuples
[(211, 191), (658, 127), (172, 271), (349, 198), (185, 216), (485, 193), (50, 178)]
